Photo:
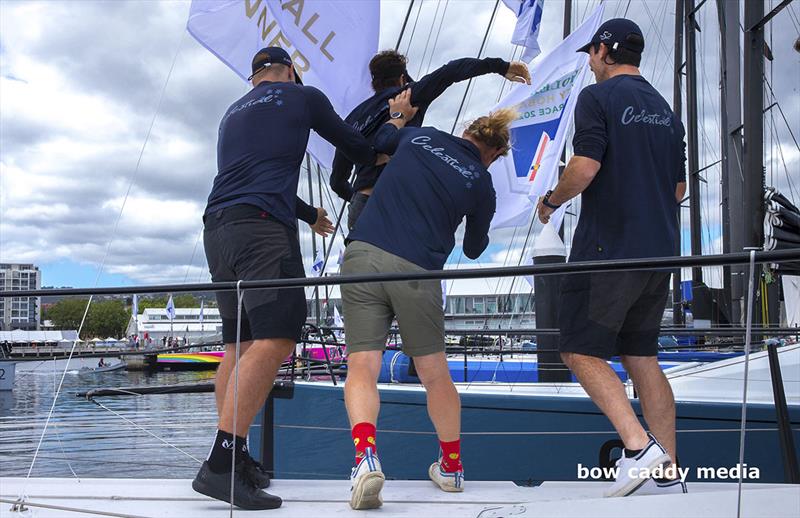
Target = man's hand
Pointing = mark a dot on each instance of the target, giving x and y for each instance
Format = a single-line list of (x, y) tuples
[(402, 103), (323, 226), (544, 211), (518, 72)]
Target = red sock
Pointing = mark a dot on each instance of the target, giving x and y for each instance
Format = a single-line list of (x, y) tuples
[(363, 438), (451, 456)]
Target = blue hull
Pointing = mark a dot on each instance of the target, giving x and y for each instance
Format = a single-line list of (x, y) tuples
[(395, 369), (524, 438)]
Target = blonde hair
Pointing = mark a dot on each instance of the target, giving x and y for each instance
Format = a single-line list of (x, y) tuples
[(492, 130)]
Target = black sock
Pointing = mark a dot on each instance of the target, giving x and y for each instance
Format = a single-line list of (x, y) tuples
[(631, 453), (219, 460)]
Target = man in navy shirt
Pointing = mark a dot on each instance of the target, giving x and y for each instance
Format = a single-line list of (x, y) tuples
[(389, 77), (433, 182), (251, 234), (629, 167)]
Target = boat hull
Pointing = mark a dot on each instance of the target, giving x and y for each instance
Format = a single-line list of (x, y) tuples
[(506, 436)]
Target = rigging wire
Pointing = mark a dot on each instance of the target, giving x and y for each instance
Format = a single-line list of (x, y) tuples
[(105, 258), (436, 40), (428, 40), (480, 52), (414, 28)]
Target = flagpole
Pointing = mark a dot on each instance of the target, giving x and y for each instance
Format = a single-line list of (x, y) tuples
[(313, 235)]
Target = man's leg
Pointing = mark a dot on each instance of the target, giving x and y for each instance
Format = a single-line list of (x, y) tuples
[(608, 393), (657, 400), (257, 370), (224, 371), (361, 387), (444, 404)]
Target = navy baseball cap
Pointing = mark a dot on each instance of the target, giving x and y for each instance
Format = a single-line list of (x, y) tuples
[(269, 55), (618, 32)]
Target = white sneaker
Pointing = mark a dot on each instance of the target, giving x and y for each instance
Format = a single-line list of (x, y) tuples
[(655, 487), (651, 456), (450, 482), (367, 482)]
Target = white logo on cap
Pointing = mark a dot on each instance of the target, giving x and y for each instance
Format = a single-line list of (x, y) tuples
[(606, 35)]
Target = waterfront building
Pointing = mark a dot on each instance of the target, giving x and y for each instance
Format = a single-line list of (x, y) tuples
[(20, 312)]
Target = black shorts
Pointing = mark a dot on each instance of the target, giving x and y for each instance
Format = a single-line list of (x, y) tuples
[(357, 204), (244, 243), (609, 314)]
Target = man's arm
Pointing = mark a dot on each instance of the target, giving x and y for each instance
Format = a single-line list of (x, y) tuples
[(340, 176), (589, 143), (304, 211), (331, 127), (428, 88), (476, 233), (389, 135)]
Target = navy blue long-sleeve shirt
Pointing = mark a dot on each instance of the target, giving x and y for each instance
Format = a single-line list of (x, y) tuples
[(432, 182), (629, 210), (370, 115), (262, 140)]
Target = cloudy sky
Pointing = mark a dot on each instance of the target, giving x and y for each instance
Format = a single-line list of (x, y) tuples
[(79, 89)]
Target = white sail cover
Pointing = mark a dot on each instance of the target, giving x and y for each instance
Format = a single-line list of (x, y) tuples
[(546, 109), (330, 43), (791, 296)]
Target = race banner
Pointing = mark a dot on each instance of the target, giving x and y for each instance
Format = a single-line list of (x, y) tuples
[(545, 114), (330, 44)]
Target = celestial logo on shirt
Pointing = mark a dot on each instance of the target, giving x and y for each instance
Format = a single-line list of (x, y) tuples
[(271, 96), (469, 172)]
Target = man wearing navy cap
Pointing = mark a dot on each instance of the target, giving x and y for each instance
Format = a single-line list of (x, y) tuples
[(629, 166), (251, 234)]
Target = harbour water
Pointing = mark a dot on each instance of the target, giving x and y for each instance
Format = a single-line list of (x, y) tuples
[(86, 440)]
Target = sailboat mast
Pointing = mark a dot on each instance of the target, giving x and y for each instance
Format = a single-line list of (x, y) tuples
[(731, 147), (677, 108), (695, 224)]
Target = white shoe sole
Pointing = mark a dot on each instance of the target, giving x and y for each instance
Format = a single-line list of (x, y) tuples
[(366, 493), (635, 483), (450, 489)]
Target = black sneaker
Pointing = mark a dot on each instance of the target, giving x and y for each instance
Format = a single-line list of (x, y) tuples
[(257, 473), (245, 493)]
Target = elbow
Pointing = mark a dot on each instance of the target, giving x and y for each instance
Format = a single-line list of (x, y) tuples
[(474, 248)]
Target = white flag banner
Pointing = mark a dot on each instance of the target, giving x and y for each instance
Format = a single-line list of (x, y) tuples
[(170, 308), (135, 308), (316, 267), (546, 108), (529, 278), (330, 44), (337, 318), (444, 294), (201, 311), (526, 32)]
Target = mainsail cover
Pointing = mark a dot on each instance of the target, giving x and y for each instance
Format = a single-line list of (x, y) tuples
[(781, 227)]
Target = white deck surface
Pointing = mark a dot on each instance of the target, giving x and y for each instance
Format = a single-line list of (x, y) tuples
[(310, 498)]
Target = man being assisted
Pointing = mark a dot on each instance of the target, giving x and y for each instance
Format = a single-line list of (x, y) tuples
[(629, 164), (431, 183), (251, 234), (390, 77)]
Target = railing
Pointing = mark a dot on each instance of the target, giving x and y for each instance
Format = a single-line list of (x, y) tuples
[(666, 263)]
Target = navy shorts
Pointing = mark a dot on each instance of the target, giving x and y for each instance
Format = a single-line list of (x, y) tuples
[(610, 314), (243, 242)]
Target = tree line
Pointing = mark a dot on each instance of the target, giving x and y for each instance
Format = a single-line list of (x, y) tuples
[(109, 317)]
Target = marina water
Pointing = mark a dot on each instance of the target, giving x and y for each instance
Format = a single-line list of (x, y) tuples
[(86, 440)]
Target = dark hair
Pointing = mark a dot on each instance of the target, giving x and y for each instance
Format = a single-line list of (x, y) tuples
[(386, 67), (623, 55)]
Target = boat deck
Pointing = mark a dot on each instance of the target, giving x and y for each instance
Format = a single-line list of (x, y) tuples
[(62, 497)]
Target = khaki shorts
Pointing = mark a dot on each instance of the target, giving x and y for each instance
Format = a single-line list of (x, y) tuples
[(369, 308)]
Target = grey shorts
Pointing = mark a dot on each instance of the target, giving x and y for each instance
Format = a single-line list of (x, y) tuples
[(244, 243), (369, 308)]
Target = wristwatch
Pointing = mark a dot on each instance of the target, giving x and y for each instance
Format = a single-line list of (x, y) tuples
[(546, 201), (396, 115)]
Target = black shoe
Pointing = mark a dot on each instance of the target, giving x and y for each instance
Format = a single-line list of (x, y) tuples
[(245, 494), (257, 473)]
